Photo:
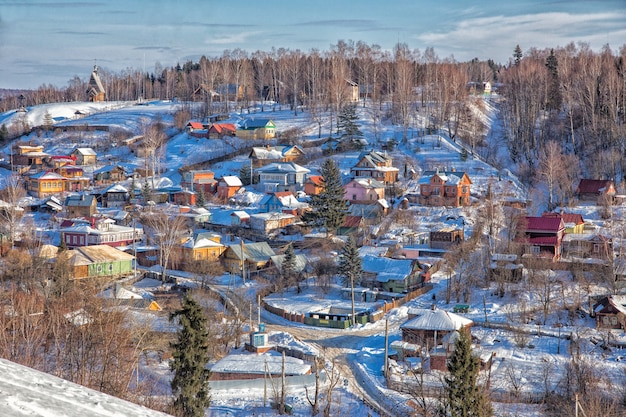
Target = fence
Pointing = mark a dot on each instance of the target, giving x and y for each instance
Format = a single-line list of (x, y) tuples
[(261, 383)]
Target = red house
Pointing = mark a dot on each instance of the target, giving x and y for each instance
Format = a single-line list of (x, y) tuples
[(219, 130), (544, 236)]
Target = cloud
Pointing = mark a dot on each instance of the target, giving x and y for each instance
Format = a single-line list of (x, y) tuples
[(498, 35), (355, 23), (231, 38)]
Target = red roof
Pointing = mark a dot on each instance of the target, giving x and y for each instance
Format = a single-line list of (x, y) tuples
[(593, 186), (543, 224), (224, 127), (316, 179), (567, 217), (195, 125), (352, 221), (280, 194)]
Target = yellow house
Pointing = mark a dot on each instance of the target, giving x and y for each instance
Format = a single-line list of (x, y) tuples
[(202, 246), (257, 129), (45, 184)]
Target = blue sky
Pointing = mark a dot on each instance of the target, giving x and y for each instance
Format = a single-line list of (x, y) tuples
[(51, 41)]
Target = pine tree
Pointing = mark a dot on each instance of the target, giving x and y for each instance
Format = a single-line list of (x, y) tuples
[(201, 202), (328, 208), (464, 397), (146, 190), (554, 98), (347, 128), (517, 55), (4, 133), (47, 121), (289, 262), (190, 354), (245, 174), (350, 263)]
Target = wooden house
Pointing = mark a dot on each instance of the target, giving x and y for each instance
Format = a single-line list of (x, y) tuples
[(439, 188), (57, 161), (45, 183), (610, 312), (228, 186), (98, 261), (599, 191), (283, 201), (268, 223), (98, 231), (377, 166), (364, 191), (239, 218), (445, 238), (76, 180), (314, 185), (80, 205), (352, 91), (220, 130), (95, 89), (109, 174), (505, 267), (202, 246), (115, 196), (257, 129), (434, 331), (252, 256), (260, 156), (185, 198), (199, 181), (85, 156), (543, 236), (281, 176), (391, 275), (28, 155), (588, 245), (574, 222)]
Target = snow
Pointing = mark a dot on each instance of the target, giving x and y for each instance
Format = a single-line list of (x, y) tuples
[(525, 353)]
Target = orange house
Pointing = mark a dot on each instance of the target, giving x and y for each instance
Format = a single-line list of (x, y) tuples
[(314, 185), (199, 180), (228, 186), (45, 184), (202, 246), (440, 188)]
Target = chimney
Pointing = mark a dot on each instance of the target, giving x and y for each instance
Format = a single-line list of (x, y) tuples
[(433, 307)]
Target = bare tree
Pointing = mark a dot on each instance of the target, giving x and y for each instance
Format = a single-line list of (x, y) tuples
[(11, 213), (166, 232)]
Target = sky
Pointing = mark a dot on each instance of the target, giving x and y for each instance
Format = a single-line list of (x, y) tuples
[(51, 41)]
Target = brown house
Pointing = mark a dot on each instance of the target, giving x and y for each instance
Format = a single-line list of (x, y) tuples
[(445, 238), (445, 188), (611, 312), (85, 156), (595, 190), (219, 130), (543, 236), (29, 155), (263, 155), (377, 166), (314, 185), (81, 205)]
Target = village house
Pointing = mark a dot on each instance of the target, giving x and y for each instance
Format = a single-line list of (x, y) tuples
[(265, 364), (260, 156), (371, 211), (57, 161), (314, 185), (97, 261), (202, 246), (239, 218), (445, 238), (599, 191), (284, 202), (610, 312), (543, 236), (250, 256), (281, 176), (352, 89), (441, 188), (184, 198), (364, 191), (377, 166), (115, 196), (95, 89), (255, 129), (85, 156), (220, 130), (505, 267), (80, 205), (574, 222), (196, 127), (199, 181), (97, 231), (391, 275), (228, 186), (431, 333), (76, 181), (31, 156), (109, 174), (588, 245), (268, 223), (45, 184)]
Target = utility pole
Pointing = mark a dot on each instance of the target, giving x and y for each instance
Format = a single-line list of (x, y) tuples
[(386, 372), (243, 262), (282, 389), (352, 292)]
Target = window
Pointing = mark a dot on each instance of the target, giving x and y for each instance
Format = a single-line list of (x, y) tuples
[(535, 250), (99, 269), (353, 196), (596, 248), (436, 191), (464, 189), (110, 267)]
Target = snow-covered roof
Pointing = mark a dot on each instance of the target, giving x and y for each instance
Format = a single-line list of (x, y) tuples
[(231, 181), (428, 319), (255, 364), (387, 269)]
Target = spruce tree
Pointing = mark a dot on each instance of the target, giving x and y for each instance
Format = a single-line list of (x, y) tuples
[(4, 133), (245, 174), (47, 121), (190, 354), (464, 397), (328, 208), (347, 128), (289, 262), (350, 263), (201, 201), (517, 54), (554, 98)]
